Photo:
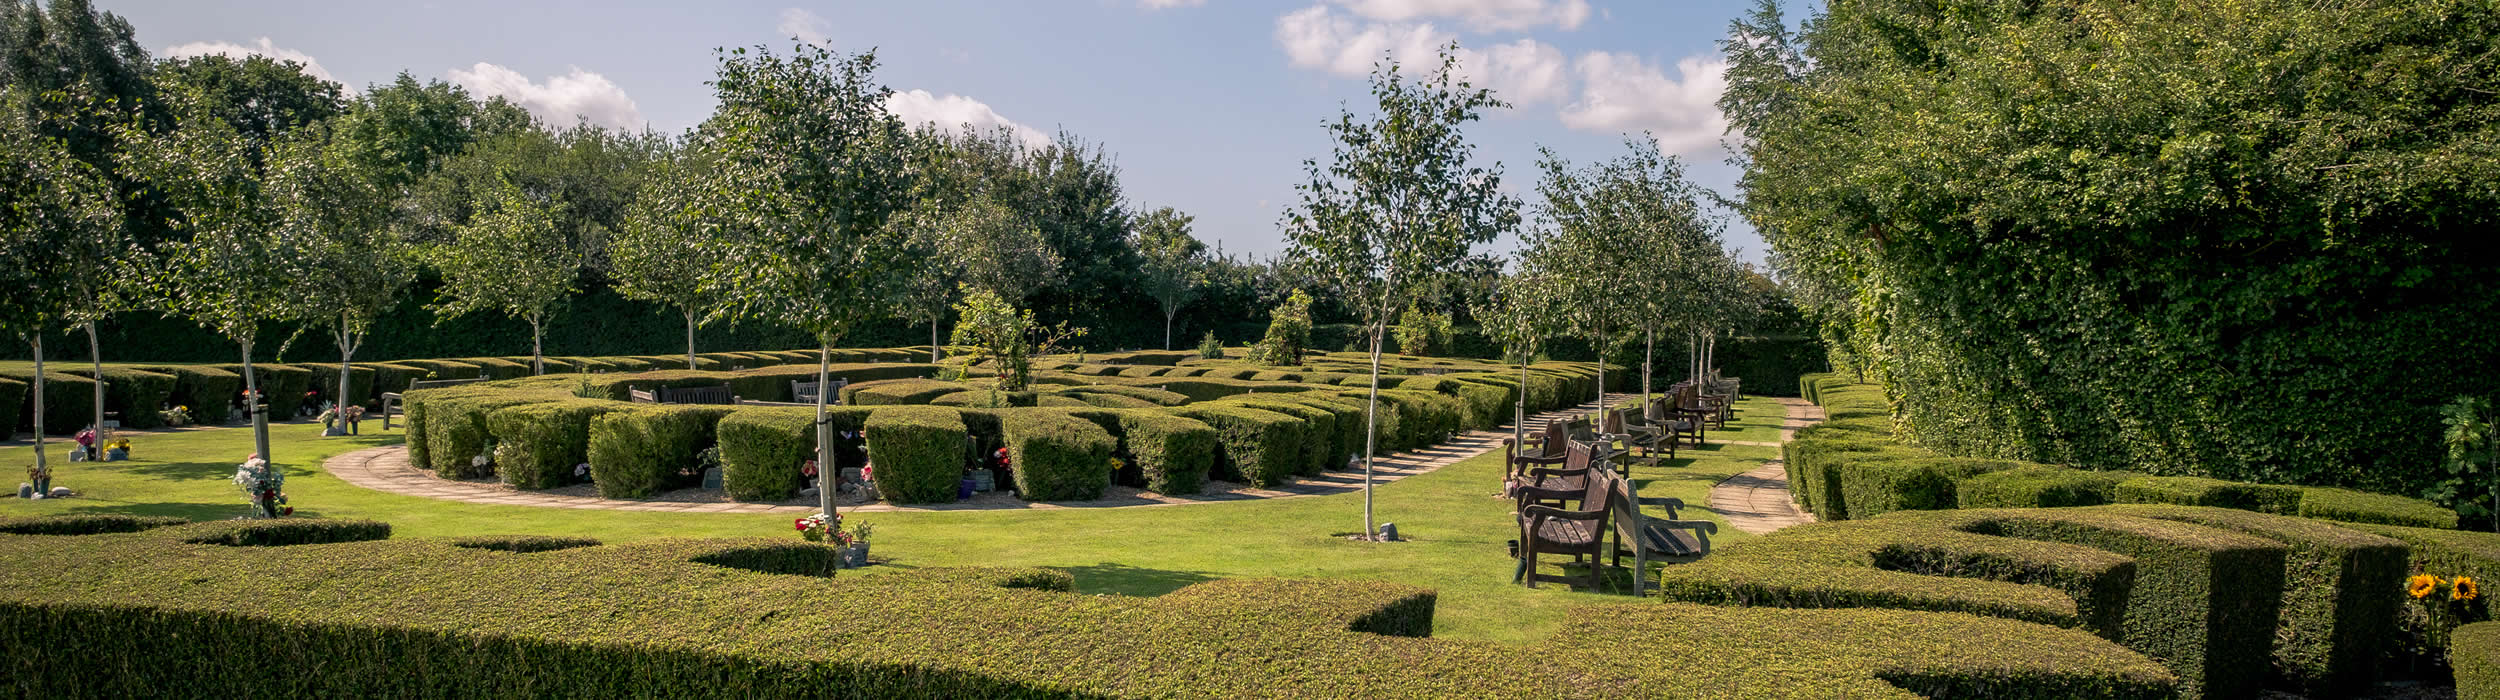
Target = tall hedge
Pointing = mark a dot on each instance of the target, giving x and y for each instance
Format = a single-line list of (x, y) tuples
[(918, 452), (1174, 452), (135, 394), (12, 403), (325, 379), (538, 444), (1056, 456), (1260, 448), (68, 400), (283, 384), (763, 448)]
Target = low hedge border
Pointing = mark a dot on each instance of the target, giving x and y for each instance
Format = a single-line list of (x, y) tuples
[(2475, 655), (2038, 486), (524, 544), (405, 617), (2201, 491)]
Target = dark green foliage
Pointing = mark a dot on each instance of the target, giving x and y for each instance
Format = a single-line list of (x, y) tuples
[(12, 404), (1110, 400), (639, 451), (2341, 593), (68, 400), (1057, 457), (501, 368), (899, 392), (402, 618), (283, 384), (451, 422), (2474, 651), (1160, 358), (135, 394), (452, 369), (918, 452), (524, 544), (1175, 453), (1260, 448), (762, 449), (2446, 554), (1349, 437), (1771, 366), (538, 444), (85, 524), (325, 380), (393, 377), (1811, 473), (2361, 507), (2199, 491), (1913, 563), (1320, 440), (772, 383), (1875, 483), (282, 532), (2038, 486)]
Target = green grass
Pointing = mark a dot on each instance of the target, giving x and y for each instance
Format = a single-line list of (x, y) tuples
[(1454, 515)]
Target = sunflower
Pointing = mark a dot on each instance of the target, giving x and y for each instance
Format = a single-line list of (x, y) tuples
[(2465, 589), (2421, 585)]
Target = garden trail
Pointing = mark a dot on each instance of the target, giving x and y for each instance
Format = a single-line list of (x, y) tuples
[(387, 469), (1758, 501)]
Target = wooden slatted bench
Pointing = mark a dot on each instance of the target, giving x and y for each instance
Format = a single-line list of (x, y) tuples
[(1648, 539), (391, 399)]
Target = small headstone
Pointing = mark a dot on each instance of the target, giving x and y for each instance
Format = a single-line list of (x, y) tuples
[(711, 479), (1388, 532), (25, 490), (60, 492), (809, 492)]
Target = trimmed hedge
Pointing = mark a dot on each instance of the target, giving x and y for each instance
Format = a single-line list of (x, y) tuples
[(325, 381), (283, 384), (1156, 396), (523, 544), (772, 383), (918, 452), (13, 403), (136, 394), (207, 391), (2474, 652), (84, 524), (68, 401), (408, 618), (762, 449), (1875, 483), (2038, 486), (500, 368), (393, 377), (2362, 507), (1175, 453), (538, 444), (283, 532), (1259, 448), (898, 392), (1319, 430), (1057, 457), (638, 451), (2201, 491)]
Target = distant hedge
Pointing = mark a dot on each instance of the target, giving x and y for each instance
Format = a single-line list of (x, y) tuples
[(408, 617)]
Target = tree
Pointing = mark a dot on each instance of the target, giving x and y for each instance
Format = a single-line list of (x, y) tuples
[(1173, 262), (1288, 333), (1398, 206), (1420, 331), (1519, 316), (413, 127), (55, 212), (811, 168), (1006, 337), (355, 266), (260, 96), (662, 252), (237, 264), (509, 258)]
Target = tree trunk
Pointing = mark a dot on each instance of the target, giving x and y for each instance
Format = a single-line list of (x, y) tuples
[(251, 407), (690, 340), (95, 357), (538, 356), (827, 474), (1167, 329), (1519, 423), (1600, 343), (934, 345), (347, 368), (1371, 429), (1649, 351), (39, 463)]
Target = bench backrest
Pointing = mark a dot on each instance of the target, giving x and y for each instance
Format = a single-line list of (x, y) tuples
[(642, 396), (805, 392), (709, 395)]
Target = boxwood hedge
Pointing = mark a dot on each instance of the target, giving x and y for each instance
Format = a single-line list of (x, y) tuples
[(1258, 447), (1320, 440), (2363, 507), (538, 444), (762, 449), (2038, 486), (749, 618), (918, 452), (68, 401), (1056, 456), (13, 402), (325, 381), (638, 451), (283, 384), (127, 391), (2474, 652)]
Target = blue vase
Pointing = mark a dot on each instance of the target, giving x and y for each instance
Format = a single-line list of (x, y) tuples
[(963, 489)]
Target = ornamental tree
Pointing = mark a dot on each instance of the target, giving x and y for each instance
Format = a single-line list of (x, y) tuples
[(1172, 262), (1397, 206), (662, 253), (509, 258), (52, 207), (1520, 315), (1006, 337), (810, 168), (355, 266)]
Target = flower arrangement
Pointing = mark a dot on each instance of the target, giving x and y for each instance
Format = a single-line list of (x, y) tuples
[(2437, 605), (175, 417), (265, 485), (820, 528), (860, 532), (116, 449)]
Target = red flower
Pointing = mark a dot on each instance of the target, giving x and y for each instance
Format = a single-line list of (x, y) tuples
[(801, 524), (290, 510)]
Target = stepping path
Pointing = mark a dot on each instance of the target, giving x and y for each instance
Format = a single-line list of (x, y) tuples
[(1758, 501), (387, 469)]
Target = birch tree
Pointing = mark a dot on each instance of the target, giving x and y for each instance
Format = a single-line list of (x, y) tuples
[(509, 258), (50, 201)]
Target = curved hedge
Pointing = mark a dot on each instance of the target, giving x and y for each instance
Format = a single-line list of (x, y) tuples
[(407, 618), (639, 451)]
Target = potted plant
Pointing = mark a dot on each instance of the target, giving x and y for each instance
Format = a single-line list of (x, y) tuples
[(175, 417), (857, 555)]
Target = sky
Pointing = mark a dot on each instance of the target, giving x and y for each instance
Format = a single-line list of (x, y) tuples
[(1209, 106)]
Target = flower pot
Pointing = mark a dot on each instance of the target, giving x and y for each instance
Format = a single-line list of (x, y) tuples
[(963, 489), (116, 455), (856, 556)]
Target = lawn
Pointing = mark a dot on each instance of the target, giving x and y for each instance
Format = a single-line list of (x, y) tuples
[(1455, 517)]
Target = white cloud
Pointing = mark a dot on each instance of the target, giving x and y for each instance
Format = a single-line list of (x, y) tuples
[(1523, 72), (559, 100), (1622, 92), (805, 26), (1168, 4), (956, 113), (1480, 15), (259, 47)]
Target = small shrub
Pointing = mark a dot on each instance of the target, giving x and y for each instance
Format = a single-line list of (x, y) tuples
[(639, 451), (1057, 457), (1210, 348), (918, 452)]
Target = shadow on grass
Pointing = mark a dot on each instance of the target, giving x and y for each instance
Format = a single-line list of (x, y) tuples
[(189, 511), (1122, 579)]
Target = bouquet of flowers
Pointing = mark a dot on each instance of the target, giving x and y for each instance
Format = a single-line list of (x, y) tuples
[(264, 484), (176, 417), (819, 528), (86, 438)]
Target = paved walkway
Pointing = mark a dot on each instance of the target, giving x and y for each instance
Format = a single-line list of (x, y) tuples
[(1758, 501), (387, 469)]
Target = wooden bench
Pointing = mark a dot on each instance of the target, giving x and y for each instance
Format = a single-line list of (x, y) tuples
[(1577, 532), (1639, 435), (1647, 539), (698, 395), (805, 392), (391, 399)]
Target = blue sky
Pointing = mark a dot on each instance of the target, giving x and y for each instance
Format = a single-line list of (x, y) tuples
[(1208, 105)]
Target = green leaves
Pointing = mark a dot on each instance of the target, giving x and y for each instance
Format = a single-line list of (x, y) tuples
[(509, 258), (59, 226)]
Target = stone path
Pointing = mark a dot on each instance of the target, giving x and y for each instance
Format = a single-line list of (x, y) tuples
[(387, 469), (1758, 501)]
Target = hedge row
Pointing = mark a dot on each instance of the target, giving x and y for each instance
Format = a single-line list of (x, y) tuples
[(2227, 599), (406, 618), (2475, 655), (640, 451), (1851, 466)]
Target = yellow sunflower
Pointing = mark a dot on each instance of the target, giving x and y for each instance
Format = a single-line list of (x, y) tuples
[(2465, 589), (2421, 585)]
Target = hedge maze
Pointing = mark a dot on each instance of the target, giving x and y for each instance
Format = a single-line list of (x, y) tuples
[(1177, 419)]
